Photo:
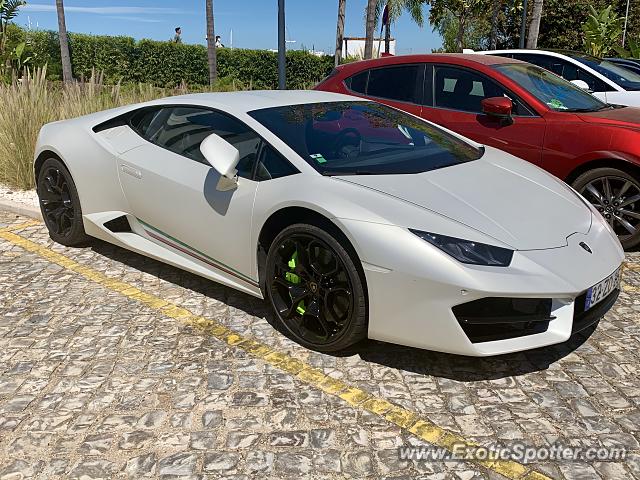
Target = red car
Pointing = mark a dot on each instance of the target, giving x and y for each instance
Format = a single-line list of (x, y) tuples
[(520, 108)]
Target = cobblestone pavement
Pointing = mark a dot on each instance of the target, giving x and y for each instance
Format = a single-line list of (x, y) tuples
[(94, 384)]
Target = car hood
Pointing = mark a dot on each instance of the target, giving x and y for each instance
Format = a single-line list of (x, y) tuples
[(501, 196), (628, 117), (626, 97)]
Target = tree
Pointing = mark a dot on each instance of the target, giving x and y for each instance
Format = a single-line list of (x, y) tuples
[(63, 38), (476, 33), (211, 44), (534, 25), (495, 13), (395, 8), (342, 6), (8, 11), (602, 31), (464, 11), (370, 27)]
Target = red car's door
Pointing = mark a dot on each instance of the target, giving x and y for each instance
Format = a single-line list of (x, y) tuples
[(456, 104)]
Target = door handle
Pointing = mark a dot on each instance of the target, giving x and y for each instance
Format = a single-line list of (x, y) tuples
[(131, 171)]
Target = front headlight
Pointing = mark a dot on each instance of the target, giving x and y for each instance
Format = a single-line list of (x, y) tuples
[(466, 251)]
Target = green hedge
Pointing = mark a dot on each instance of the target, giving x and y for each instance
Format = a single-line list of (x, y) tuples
[(167, 64)]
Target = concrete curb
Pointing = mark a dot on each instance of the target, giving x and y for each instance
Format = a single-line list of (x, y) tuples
[(20, 209)]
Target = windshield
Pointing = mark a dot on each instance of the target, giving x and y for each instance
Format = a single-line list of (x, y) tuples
[(550, 89), (364, 138), (625, 78)]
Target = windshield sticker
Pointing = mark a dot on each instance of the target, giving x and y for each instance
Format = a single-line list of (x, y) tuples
[(318, 157), (557, 104)]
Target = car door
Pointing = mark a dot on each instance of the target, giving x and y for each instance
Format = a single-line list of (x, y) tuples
[(171, 188), (567, 70), (399, 86), (456, 104)]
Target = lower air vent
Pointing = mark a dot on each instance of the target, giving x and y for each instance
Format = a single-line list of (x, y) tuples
[(118, 225), (490, 319)]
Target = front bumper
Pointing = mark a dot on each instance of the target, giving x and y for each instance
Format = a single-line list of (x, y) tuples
[(412, 304)]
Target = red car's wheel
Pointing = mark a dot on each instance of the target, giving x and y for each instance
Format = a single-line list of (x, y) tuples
[(616, 195)]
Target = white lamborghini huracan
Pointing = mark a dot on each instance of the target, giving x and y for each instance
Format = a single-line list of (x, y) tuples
[(352, 219)]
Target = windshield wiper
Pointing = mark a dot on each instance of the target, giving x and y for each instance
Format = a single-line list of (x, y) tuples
[(336, 173), (587, 110)]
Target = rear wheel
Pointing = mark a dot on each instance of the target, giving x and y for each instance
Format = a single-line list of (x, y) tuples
[(616, 195), (315, 289), (60, 204)]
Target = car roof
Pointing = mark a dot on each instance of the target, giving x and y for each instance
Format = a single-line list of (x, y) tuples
[(553, 52), (460, 58), (246, 101)]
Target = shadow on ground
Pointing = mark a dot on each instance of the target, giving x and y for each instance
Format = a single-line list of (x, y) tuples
[(423, 362)]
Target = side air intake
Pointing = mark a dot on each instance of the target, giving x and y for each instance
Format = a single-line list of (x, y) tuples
[(118, 225)]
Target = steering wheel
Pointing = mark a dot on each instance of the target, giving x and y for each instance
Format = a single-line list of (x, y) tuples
[(347, 144)]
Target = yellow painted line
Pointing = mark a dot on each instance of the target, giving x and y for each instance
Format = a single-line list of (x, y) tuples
[(409, 421), (20, 226)]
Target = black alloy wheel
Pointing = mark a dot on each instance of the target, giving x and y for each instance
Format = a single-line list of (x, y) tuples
[(59, 204), (315, 289), (616, 195)]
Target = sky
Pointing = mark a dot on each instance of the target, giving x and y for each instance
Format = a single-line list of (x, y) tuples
[(311, 24)]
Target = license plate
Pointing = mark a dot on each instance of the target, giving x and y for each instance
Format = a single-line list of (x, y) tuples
[(600, 290)]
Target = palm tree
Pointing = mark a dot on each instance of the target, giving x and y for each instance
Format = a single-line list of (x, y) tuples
[(8, 11), (342, 5), (67, 75), (370, 27), (211, 44), (534, 26), (395, 8), (493, 36)]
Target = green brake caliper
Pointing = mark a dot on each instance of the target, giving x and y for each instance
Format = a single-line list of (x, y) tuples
[(295, 279)]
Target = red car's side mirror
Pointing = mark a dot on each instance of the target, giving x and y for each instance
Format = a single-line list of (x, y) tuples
[(497, 107)]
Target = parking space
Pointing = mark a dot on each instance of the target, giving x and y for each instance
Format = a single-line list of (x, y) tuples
[(113, 364)]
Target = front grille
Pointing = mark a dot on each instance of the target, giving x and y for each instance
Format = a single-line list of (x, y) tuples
[(498, 318)]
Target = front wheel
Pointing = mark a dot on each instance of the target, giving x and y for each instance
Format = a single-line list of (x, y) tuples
[(616, 195), (315, 289), (60, 204)]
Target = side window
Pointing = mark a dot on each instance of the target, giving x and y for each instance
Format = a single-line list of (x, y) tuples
[(574, 72), (358, 83), (460, 89), (553, 64), (273, 165), (566, 70), (182, 130), (396, 83), (142, 119)]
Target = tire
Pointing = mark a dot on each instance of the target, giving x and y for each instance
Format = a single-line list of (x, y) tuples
[(60, 204), (321, 310), (617, 206)]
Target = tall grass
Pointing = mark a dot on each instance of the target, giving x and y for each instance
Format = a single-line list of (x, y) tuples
[(28, 103)]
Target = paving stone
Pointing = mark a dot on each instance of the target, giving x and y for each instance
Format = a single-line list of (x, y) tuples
[(258, 461), (92, 470), (181, 463), (289, 439), (143, 465), (220, 461)]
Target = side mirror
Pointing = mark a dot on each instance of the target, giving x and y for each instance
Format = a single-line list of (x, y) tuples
[(581, 84), (224, 158), (497, 107)]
